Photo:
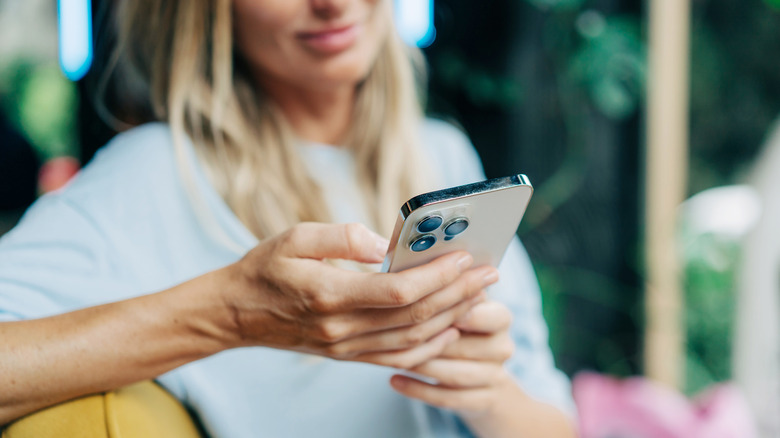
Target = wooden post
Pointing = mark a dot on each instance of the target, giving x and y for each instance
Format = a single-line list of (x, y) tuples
[(666, 187)]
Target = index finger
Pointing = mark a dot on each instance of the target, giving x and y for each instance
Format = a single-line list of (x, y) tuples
[(333, 241), (400, 289)]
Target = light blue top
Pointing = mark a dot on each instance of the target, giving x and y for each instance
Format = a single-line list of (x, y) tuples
[(125, 227)]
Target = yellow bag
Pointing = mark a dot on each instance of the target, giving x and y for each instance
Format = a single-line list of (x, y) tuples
[(141, 410)]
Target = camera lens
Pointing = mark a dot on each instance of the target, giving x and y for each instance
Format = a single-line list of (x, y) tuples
[(423, 242), (429, 224), (456, 227)]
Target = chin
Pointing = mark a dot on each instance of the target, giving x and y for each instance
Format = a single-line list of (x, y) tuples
[(342, 74)]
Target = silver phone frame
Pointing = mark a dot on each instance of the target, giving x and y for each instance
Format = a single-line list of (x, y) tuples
[(450, 197)]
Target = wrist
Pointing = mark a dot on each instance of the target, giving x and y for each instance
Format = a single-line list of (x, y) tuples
[(505, 400), (503, 389), (512, 413), (205, 310)]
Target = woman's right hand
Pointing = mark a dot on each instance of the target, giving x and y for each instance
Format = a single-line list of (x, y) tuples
[(282, 294)]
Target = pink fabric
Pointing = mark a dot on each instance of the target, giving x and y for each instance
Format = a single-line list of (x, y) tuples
[(55, 173), (640, 408)]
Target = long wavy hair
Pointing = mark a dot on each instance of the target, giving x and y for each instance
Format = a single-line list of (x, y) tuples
[(183, 52)]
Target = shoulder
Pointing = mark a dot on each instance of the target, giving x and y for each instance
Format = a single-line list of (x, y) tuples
[(449, 150), (141, 149), (145, 138), (113, 221), (133, 177), (135, 160)]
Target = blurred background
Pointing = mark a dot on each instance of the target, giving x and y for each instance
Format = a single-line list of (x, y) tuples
[(555, 89)]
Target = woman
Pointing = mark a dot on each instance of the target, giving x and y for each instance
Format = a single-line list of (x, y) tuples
[(254, 95)]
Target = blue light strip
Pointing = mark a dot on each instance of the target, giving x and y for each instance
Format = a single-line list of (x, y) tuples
[(75, 37), (414, 21)]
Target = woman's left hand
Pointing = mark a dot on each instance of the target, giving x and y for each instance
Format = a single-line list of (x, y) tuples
[(469, 373), (471, 380)]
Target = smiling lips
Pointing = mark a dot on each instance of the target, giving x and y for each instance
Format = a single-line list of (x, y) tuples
[(331, 41)]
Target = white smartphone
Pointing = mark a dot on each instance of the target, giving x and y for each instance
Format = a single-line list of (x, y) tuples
[(480, 218)]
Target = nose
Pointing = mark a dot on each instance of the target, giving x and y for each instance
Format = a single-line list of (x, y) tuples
[(329, 8)]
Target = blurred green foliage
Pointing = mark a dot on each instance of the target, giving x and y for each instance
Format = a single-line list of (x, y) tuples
[(42, 104), (557, 4), (773, 3), (710, 263), (482, 87), (609, 355), (735, 96), (599, 64), (610, 64), (602, 55), (735, 87)]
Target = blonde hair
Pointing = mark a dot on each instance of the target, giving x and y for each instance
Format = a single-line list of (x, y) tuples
[(183, 50)]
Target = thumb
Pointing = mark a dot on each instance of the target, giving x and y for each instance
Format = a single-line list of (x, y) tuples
[(334, 241)]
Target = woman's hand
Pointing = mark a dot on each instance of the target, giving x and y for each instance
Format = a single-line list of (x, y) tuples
[(469, 373), (283, 294), (472, 381)]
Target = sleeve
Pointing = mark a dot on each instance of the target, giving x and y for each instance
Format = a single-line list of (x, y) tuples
[(532, 365), (54, 261)]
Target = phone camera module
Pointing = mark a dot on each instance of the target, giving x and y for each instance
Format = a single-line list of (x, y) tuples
[(423, 242), (429, 224), (456, 227)]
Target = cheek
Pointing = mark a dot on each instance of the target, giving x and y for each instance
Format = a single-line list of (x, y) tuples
[(378, 31), (381, 19), (266, 12), (259, 25), (264, 33)]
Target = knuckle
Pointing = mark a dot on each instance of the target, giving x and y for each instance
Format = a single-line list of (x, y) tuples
[(421, 311), (321, 302), (353, 235), (444, 277), (293, 235), (414, 336), (336, 351), (331, 331), (276, 266), (466, 285), (398, 292)]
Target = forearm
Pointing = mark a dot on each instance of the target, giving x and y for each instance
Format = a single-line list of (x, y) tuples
[(49, 360), (514, 414)]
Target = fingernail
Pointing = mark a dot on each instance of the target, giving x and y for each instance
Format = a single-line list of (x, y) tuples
[(399, 381), (490, 278), (464, 262)]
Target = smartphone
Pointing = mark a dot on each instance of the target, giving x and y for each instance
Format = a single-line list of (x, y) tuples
[(480, 218)]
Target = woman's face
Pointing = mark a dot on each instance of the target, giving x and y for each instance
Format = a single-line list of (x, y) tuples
[(311, 44)]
